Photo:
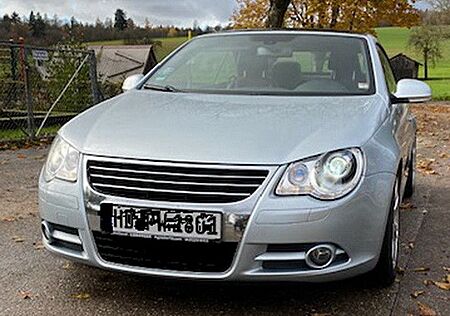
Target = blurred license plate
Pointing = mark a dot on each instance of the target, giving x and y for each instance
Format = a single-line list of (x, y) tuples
[(149, 222)]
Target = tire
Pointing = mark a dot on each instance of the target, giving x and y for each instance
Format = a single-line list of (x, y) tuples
[(410, 181), (385, 271)]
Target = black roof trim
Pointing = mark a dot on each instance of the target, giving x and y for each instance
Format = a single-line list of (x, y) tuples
[(324, 30)]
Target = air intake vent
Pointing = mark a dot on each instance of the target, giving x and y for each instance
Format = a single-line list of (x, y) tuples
[(173, 183)]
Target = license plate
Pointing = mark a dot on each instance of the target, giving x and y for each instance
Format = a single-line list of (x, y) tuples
[(161, 223)]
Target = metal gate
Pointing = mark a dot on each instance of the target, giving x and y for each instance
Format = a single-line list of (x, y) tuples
[(43, 88)]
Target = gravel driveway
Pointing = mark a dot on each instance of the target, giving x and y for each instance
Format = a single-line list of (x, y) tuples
[(33, 282)]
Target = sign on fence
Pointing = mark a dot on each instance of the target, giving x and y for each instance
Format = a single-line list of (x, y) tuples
[(40, 55)]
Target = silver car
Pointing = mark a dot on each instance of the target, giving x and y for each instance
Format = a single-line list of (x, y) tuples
[(252, 155)]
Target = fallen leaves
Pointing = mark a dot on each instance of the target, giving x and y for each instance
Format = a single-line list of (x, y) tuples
[(425, 166), (8, 219), (81, 296), (442, 285), (416, 294), (21, 156), (400, 270), (26, 295), (421, 269), (425, 310), (18, 239), (427, 282), (407, 206), (67, 266), (38, 245)]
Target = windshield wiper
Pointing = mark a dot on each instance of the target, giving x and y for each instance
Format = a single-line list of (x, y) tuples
[(167, 88)]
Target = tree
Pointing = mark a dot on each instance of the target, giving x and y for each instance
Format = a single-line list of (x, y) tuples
[(440, 5), (120, 20), (31, 19), (348, 15), (15, 19), (426, 40), (440, 13), (277, 11), (172, 32), (37, 25)]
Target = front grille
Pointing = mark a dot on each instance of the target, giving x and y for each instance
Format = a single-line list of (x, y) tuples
[(173, 183), (166, 254)]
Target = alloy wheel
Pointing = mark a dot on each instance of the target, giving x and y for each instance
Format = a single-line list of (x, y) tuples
[(395, 242)]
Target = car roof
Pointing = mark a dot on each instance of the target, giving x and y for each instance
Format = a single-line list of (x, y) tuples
[(328, 32)]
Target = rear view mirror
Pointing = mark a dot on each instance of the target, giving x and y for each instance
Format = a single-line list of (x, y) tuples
[(131, 82), (412, 91)]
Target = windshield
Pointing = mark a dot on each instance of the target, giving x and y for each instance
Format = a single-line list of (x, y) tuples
[(268, 64)]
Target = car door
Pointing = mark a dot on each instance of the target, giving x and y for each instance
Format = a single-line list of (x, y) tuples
[(401, 117)]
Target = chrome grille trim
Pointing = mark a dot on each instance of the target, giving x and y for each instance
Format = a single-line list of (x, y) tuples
[(173, 182), (166, 182), (168, 191), (176, 174)]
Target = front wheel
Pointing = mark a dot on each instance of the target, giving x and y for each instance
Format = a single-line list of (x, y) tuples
[(385, 271)]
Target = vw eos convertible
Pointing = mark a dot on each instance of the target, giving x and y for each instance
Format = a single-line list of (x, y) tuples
[(252, 155)]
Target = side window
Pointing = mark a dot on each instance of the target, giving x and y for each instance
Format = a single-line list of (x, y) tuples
[(388, 73)]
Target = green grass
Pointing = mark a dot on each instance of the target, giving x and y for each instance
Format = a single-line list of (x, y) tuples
[(395, 40), (17, 134)]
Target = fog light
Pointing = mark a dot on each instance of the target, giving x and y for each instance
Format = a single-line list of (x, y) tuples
[(320, 256)]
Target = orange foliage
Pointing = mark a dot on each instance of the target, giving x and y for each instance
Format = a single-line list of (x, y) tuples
[(348, 15)]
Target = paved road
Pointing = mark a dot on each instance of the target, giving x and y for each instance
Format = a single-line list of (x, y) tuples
[(33, 282)]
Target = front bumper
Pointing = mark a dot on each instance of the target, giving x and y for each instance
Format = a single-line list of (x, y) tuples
[(355, 224)]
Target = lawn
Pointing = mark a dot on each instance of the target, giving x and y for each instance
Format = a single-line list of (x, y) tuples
[(395, 40), (16, 134)]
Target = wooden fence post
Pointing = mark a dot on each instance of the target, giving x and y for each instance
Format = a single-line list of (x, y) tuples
[(24, 55), (97, 96)]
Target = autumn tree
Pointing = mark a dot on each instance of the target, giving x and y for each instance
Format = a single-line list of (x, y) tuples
[(349, 15), (426, 40), (277, 12)]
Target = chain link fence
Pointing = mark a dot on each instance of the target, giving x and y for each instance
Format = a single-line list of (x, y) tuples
[(43, 88)]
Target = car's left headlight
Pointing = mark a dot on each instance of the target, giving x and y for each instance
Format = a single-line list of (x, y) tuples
[(62, 162), (327, 177)]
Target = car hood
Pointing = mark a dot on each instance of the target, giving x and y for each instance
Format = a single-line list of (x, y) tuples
[(207, 128)]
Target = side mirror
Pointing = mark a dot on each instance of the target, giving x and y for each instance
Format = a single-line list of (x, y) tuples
[(412, 91), (131, 82)]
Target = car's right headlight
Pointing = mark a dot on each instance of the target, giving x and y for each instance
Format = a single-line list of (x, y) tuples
[(62, 162), (327, 177)]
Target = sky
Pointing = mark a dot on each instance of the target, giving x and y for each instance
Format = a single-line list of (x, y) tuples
[(165, 12)]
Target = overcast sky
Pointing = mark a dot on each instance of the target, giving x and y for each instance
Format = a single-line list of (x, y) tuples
[(166, 12)]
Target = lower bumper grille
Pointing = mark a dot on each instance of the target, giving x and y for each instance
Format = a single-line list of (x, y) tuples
[(292, 257), (165, 254)]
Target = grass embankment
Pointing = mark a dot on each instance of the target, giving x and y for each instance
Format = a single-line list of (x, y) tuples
[(395, 40)]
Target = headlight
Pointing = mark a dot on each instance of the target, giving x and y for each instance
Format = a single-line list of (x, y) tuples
[(62, 162), (326, 177)]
